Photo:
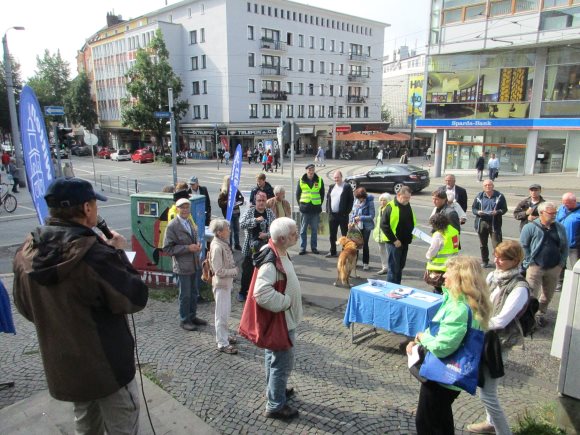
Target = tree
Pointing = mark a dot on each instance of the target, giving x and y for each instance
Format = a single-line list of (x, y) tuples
[(149, 78), (79, 106), (51, 79), (386, 115), (17, 81)]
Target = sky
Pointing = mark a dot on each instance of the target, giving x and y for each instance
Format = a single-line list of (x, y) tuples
[(65, 24)]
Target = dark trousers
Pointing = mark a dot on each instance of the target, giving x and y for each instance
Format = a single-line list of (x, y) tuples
[(247, 272), (485, 232), (396, 259), (16, 182), (336, 221), (235, 231), (366, 236), (434, 414)]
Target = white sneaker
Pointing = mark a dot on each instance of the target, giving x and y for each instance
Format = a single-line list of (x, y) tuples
[(365, 267), (382, 272)]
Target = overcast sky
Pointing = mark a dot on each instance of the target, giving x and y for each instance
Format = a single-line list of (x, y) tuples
[(65, 24)]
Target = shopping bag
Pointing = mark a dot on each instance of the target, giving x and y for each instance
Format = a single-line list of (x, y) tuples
[(355, 234)]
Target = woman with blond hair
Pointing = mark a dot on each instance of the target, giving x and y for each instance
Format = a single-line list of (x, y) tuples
[(235, 222), (464, 290), (378, 234)]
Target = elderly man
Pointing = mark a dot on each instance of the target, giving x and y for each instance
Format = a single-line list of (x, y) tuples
[(460, 192), (261, 186), (77, 289), (279, 205), (339, 202), (439, 198), (274, 265), (310, 194), (182, 243), (527, 209), (569, 216), (256, 223), (546, 251), (397, 224), (488, 208), (196, 189)]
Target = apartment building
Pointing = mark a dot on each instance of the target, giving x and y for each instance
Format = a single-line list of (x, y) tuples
[(504, 77), (246, 66)]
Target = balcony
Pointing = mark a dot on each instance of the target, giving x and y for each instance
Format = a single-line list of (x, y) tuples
[(358, 78), (267, 95), (270, 44), (272, 70), (356, 99), (358, 57)]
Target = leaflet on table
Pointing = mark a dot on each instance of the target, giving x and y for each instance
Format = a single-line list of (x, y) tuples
[(377, 282), (424, 297), (371, 289), (422, 235)]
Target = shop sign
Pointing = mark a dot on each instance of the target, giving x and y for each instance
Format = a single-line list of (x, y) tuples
[(343, 128), (253, 132), (198, 132), (528, 124)]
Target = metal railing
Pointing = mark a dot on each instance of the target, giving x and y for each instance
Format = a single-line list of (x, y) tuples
[(358, 57), (272, 70), (270, 44), (119, 184), (355, 99), (359, 78), (274, 95)]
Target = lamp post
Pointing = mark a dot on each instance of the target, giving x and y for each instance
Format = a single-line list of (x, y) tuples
[(12, 106)]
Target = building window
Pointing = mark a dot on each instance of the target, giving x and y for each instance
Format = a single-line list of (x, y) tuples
[(194, 63), (342, 44), (357, 112), (311, 41), (289, 111), (365, 112), (321, 109), (300, 88), (311, 89), (301, 41), (322, 90), (311, 111), (332, 43), (322, 43), (331, 90), (249, 6), (196, 112), (331, 67), (340, 89), (251, 86), (205, 111), (300, 64), (301, 111), (289, 39), (266, 111), (341, 69), (195, 90), (321, 67), (311, 66), (277, 111), (349, 111), (331, 111), (289, 64), (251, 33), (205, 86), (251, 60), (340, 112), (202, 35), (203, 61), (193, 37), (253, 110), (289, 87)]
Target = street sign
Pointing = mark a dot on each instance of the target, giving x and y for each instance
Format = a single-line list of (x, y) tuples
[(162, 114), (54, 110)]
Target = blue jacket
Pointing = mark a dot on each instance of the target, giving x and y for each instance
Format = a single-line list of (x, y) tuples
[(571, 221), (532, 239), (366, 211)]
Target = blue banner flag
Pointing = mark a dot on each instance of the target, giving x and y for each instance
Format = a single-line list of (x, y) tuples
[(234, 181), (36, 151)]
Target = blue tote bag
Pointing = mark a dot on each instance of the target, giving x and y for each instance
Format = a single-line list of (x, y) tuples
[(461, 368)]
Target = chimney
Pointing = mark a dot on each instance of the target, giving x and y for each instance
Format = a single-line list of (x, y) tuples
[(113, 19)]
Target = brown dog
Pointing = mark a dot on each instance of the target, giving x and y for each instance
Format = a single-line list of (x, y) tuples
[(346, 261)]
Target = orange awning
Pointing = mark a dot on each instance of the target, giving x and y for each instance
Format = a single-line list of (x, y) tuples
[(401, 136), (354, 136), (383, 136)]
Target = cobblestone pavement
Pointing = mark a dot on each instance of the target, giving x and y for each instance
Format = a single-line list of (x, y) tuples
[(340, 387)]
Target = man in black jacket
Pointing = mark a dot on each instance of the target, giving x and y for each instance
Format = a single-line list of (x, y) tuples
[(261, 186), (460, 192), (339, 202), (527, 209), (196, 189)]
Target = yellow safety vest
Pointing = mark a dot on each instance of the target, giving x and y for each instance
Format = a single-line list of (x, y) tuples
[(311, 194), (378, 234), (394, 221), (450, 248)]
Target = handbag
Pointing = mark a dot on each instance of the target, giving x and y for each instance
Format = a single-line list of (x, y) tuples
[(206, 271), (461, 368), (434, 278), (264, 328), (355, 234)]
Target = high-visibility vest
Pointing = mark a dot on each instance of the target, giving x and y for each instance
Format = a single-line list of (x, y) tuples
[(311, 194), (394, 221), (378, 234), (450, 248)]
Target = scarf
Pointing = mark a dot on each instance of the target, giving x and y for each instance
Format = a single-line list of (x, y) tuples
[(501, 278)]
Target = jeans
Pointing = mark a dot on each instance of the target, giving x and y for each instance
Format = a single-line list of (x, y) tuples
[(117, 413), (235, 230), (279, 365), (543, 283), (396, 259), (188, 292), (336, 221), (488, 395), (434, 413), (223, 307), (366, 255), (309, 219), (485, 232)]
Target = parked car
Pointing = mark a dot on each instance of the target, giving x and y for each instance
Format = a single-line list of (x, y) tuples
[(78, 150), (121, 155), (142, 155), (391, 178), (63, 153), (104, 153)]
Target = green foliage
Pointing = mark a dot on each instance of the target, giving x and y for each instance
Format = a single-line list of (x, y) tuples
[(51, 79), (17, 82), (540, 423), (79, 106), (163, 294), (386, 114), (148, 81)]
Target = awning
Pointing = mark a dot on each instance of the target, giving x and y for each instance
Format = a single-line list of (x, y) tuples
[(354, 137)]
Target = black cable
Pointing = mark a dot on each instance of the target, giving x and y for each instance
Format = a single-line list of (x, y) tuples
[(141, 375)]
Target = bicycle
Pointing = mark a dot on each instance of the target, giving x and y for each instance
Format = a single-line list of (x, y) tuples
[(7, 199)]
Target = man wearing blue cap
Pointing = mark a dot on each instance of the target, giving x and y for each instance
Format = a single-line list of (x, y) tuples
[(196, 189), (77, 289)]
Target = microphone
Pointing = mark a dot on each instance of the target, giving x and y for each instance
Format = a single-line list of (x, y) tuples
[(102, 225)]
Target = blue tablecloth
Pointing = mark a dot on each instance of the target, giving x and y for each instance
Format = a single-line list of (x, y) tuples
[(6, 321), (405, 316)]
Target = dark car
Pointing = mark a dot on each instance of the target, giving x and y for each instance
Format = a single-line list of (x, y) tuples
[(142, 155), (391, 178), (77, 150)]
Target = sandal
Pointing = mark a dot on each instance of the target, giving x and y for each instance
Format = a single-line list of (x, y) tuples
[(228, 349), (232, 339)]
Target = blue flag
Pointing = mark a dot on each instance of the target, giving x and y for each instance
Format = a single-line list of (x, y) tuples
[(36, 151), (234, 181)]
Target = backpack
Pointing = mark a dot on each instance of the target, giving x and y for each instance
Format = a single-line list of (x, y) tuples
[(527, 317)]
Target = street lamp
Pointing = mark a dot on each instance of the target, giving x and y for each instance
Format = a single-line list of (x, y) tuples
[(12, 106)]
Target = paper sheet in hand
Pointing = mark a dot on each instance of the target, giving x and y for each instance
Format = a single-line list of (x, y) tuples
[(414, 357), (130, 255), (422, 235), (424, 297)]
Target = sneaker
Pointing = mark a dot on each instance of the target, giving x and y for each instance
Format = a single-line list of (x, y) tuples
[(541, 320), (188, 326), (315, 251), (286, 413), (199, 322), (232, 340), (231, 350), (330, 254), (241, 297), (289, 392), (382, 272), (302, 253), (366, 267), (483, 427)]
